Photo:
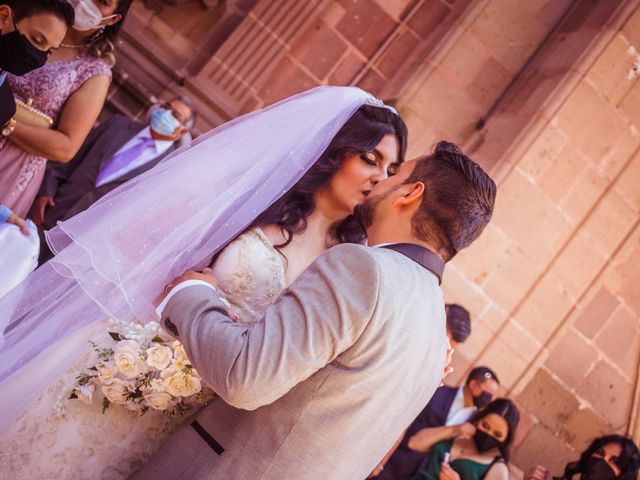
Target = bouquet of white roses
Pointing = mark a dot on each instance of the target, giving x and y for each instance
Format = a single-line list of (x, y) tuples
[(140, 370)]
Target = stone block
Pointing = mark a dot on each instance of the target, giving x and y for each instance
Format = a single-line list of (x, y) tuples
[(627, 184), (480, 336), (610, 222), (508, 363), (530, 218), (395, 8), (580, 199), (610, 165), (482, 257), (287, 79), (609, 393), (631, 29), (542, 447), (396, 54), (347, 69), (428, 18), (561, 173), (526, 423), (542, 152), (365, 25), (488, 84), (630, 105), (571, 358), (448, 107), (372, 82), (464, 60), (551, 402), (521, 340), (549, 11), (583, 427), (333, 13), (580, 262), (509, 32), (544, 308), (630, 269), (459, 289), (595, 314), (620, 341), (319, 61), (493, 317), (609, 73), (590, 122), (510, 280)]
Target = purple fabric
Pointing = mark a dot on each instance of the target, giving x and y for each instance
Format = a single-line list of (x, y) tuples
[(123, 158)]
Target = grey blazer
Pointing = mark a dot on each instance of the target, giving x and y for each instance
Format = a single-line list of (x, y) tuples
[(323, 385)]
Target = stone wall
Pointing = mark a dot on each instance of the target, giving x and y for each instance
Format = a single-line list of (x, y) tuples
[(553, 282)]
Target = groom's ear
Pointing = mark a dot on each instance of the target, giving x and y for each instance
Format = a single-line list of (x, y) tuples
[(410, 194)]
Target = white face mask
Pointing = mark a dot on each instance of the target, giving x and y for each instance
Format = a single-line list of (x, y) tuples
[(88, 15)]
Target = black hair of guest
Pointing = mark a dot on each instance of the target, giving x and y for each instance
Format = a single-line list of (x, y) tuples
[(482, 374), (458, 322), (507, 410), (60, 8)]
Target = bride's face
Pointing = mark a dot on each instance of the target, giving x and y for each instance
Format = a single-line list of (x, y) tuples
[(359, 173)]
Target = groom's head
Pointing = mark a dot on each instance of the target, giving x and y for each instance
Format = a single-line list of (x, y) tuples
[(443, 200)]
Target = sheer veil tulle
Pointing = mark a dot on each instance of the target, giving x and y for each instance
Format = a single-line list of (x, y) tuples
[(115, 258)]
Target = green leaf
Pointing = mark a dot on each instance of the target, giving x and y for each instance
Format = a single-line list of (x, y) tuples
[(115, 336)]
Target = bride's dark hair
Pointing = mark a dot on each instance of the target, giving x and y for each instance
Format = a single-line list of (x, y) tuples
[(361, 133)]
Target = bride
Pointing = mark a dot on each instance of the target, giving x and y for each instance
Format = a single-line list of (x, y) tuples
[(266, 194)]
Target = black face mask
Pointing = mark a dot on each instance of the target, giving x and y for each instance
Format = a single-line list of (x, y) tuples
[(483, 399), (18, 55), (484, 441), (597, 469)]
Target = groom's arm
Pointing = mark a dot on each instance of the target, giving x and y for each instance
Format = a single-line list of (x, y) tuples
[(321, 315)]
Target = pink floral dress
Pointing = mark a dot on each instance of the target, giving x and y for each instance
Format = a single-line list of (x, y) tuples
[(50, 87)]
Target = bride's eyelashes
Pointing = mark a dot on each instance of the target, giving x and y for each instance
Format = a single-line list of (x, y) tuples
[(369, 158)]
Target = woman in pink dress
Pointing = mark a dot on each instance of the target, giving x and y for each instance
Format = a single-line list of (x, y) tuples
[(71, 89)]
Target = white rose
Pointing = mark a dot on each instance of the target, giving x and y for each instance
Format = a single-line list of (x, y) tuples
[(159, 400), (115, 391), (106, 372), (180, 385), (159, 357), (85, 393), (127, 358), (179, 353)]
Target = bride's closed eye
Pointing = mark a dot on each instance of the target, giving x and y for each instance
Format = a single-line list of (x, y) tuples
[(370, 158)]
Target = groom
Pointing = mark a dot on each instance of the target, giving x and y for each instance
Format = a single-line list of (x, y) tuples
[(346, 357)]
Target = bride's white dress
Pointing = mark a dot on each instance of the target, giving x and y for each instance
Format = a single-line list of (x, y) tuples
[(87, 444)]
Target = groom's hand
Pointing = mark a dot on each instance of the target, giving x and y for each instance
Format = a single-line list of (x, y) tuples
[(206, 276)]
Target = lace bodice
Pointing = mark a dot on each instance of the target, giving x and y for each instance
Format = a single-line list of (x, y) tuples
[(251, 274)]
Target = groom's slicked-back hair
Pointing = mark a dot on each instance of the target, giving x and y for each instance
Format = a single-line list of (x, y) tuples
[(458, 199)]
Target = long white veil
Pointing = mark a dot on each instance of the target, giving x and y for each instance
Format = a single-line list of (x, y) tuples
[(115, 258)]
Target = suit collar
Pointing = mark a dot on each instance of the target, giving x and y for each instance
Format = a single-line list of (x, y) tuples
[(421, 255)]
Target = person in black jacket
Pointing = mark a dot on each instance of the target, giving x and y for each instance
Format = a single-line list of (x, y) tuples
[(448, 406)]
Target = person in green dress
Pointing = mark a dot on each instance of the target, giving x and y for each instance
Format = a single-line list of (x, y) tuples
[(475, 450)]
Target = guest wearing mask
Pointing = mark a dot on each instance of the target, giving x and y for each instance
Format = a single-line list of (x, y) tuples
[(63, 99), (458, 323), (483, 452), (28, 32), (450, 406), (113, 153), (612, 457)]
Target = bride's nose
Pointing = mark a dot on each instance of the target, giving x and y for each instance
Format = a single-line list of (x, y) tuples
[(381, 174)]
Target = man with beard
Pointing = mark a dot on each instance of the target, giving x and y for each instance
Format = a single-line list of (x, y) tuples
[(333, 373)]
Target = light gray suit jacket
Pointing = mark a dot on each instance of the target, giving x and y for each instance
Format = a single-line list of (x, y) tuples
[(320, 388)]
